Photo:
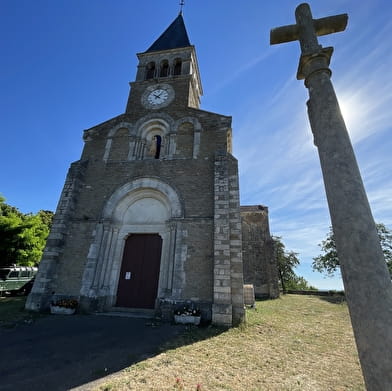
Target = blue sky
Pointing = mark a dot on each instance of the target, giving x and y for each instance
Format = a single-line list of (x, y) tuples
[(65, 67)]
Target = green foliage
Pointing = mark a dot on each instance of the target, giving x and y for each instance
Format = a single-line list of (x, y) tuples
[(287, 262), (46, 217), (299, 283), (385, 236), (328, 263), (22, 236)]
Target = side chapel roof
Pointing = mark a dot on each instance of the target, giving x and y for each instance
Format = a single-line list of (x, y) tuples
[(175, 36)]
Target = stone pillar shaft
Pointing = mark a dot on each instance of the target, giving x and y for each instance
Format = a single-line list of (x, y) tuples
[(365, 275)]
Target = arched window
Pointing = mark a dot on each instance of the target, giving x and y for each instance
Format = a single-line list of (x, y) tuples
[(150, 70), (155, 147), (159, 142), (177, 66), (164, 71)]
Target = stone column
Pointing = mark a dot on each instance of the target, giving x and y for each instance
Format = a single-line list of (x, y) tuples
[(138, 149), (196, 143), (365, 275), (91, 264), (172, 249), (172, 145), (106, 281), (131, 152), (180, 256), (100, 260)]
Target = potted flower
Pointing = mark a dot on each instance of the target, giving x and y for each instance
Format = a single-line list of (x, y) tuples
[(63, 306), (187, 314)]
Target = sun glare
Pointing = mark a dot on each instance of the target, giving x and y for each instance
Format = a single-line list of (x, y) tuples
[(348, 109), (353, 111)]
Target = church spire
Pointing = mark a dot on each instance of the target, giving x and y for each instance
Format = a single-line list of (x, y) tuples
[(175, 36)]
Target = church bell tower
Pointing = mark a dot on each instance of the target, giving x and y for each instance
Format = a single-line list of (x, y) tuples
[(167, 73)]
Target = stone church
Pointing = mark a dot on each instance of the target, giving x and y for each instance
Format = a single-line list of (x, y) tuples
[(149, 217)]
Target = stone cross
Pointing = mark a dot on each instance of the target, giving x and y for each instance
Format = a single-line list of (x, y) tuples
[(308, 29), (366, 279)]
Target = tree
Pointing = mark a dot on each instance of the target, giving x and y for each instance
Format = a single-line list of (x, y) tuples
[(22, 236), (287, 261), (299, 283), (46, 217), (328, 263)]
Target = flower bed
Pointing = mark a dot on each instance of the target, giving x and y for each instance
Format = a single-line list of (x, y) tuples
[(64, 306), (187, 319), (188, 314), (55, 309)]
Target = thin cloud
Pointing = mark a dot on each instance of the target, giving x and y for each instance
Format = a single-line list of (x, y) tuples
[(239, 71)]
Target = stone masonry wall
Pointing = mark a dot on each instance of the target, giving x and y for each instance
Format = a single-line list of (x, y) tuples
[(45, 280), (228, 307), (101, 171), (260, 264), (193, 183)]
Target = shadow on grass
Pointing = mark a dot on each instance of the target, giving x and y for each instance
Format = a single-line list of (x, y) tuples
[(59, 352)]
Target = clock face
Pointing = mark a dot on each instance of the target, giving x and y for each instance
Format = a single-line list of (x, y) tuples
[(157, 96)]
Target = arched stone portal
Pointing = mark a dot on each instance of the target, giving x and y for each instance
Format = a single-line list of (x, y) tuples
[(144, 206)]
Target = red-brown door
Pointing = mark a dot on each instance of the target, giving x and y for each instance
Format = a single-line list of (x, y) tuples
[(138, 283)]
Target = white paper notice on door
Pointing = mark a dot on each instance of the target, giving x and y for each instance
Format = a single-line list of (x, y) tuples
[(127, 275)]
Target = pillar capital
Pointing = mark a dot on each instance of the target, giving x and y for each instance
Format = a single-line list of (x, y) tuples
[(314, 62)]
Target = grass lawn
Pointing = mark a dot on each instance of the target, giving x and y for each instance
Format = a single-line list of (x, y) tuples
[(294, 343)]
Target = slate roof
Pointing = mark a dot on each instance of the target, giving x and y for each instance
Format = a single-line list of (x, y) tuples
[(175, 36)]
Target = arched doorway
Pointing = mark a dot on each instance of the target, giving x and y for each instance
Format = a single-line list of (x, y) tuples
[(136, 242)]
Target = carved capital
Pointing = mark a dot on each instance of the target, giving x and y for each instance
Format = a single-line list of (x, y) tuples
[(314, 62)]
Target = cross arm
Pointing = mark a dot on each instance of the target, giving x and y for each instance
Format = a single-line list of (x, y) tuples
[(322, 26), (284, 34), (330, 24)]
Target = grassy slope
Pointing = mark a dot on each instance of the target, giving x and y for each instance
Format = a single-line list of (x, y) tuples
[(295, 343)]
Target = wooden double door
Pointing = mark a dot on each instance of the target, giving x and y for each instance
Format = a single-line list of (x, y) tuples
[(139, 275)]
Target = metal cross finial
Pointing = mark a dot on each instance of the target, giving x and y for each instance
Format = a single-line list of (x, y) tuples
[(182, 3)]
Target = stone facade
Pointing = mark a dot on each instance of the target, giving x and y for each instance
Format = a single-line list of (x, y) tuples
[(164, 168)]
